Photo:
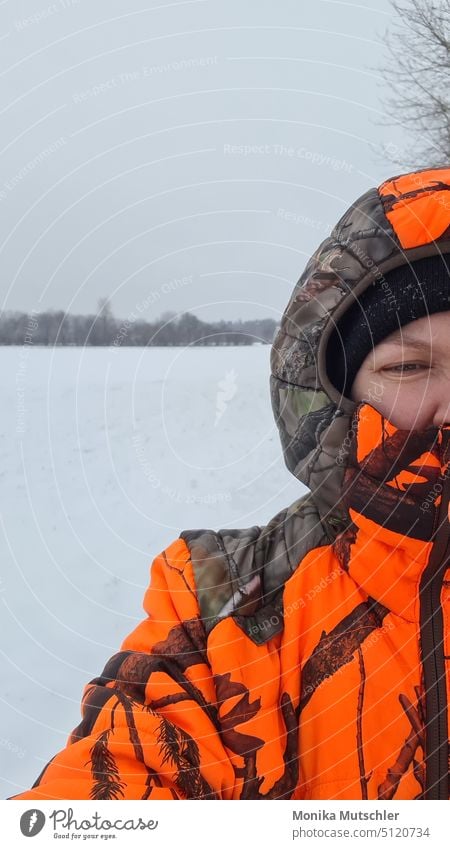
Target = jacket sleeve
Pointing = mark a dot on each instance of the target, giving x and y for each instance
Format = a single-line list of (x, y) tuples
[(149, 725)]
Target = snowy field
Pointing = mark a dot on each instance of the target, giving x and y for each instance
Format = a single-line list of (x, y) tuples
[(105, 456)]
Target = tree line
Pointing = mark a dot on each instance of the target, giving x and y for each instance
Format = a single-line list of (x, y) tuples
[(103, 329)]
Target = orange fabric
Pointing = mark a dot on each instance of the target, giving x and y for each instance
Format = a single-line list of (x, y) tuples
[(417, 206), (331, 708)]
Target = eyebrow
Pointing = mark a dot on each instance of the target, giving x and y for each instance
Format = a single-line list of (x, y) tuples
[(404, 339)]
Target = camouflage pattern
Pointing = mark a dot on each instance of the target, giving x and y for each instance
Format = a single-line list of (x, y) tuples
[(242, 571)]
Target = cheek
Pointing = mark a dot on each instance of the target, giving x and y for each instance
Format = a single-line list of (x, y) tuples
[(392, 400), (370, 389), (403, 406)]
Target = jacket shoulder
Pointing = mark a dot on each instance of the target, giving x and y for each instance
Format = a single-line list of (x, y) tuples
[(241, 572)]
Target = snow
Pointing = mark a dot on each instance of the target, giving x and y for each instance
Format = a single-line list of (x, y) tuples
[(105, 456)]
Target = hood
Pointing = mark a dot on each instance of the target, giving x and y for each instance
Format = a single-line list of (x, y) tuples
[(406, 218)]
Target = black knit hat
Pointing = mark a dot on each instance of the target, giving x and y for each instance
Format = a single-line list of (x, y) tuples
[(404, 294)]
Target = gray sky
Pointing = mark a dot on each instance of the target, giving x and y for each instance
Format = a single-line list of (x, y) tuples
[(182, 155)]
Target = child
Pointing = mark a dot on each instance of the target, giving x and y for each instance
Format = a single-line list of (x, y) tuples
[(308, 659)]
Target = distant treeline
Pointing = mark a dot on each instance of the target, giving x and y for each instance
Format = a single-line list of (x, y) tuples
[(103, 329)]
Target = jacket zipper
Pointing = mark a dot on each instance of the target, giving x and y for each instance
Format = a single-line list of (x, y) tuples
[(433, 661)]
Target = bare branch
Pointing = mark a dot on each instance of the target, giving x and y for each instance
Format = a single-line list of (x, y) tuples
[(417, 72)]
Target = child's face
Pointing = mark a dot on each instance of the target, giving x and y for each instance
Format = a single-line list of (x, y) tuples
[(408, 380)]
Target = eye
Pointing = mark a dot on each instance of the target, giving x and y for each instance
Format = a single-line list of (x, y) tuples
[(410, 367)]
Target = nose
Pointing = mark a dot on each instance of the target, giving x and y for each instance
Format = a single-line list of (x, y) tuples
[(436, 400), (442, 417)]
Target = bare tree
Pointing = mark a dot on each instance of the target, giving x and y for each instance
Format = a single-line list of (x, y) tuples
[(418, 77), (104, 323)]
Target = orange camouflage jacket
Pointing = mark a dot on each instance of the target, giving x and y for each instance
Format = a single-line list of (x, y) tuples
[(309, 658)]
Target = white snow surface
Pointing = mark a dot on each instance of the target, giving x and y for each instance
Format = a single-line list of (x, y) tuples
[(105, 456)]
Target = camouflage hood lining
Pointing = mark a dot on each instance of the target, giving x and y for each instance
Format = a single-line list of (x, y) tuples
[(313, 418)]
